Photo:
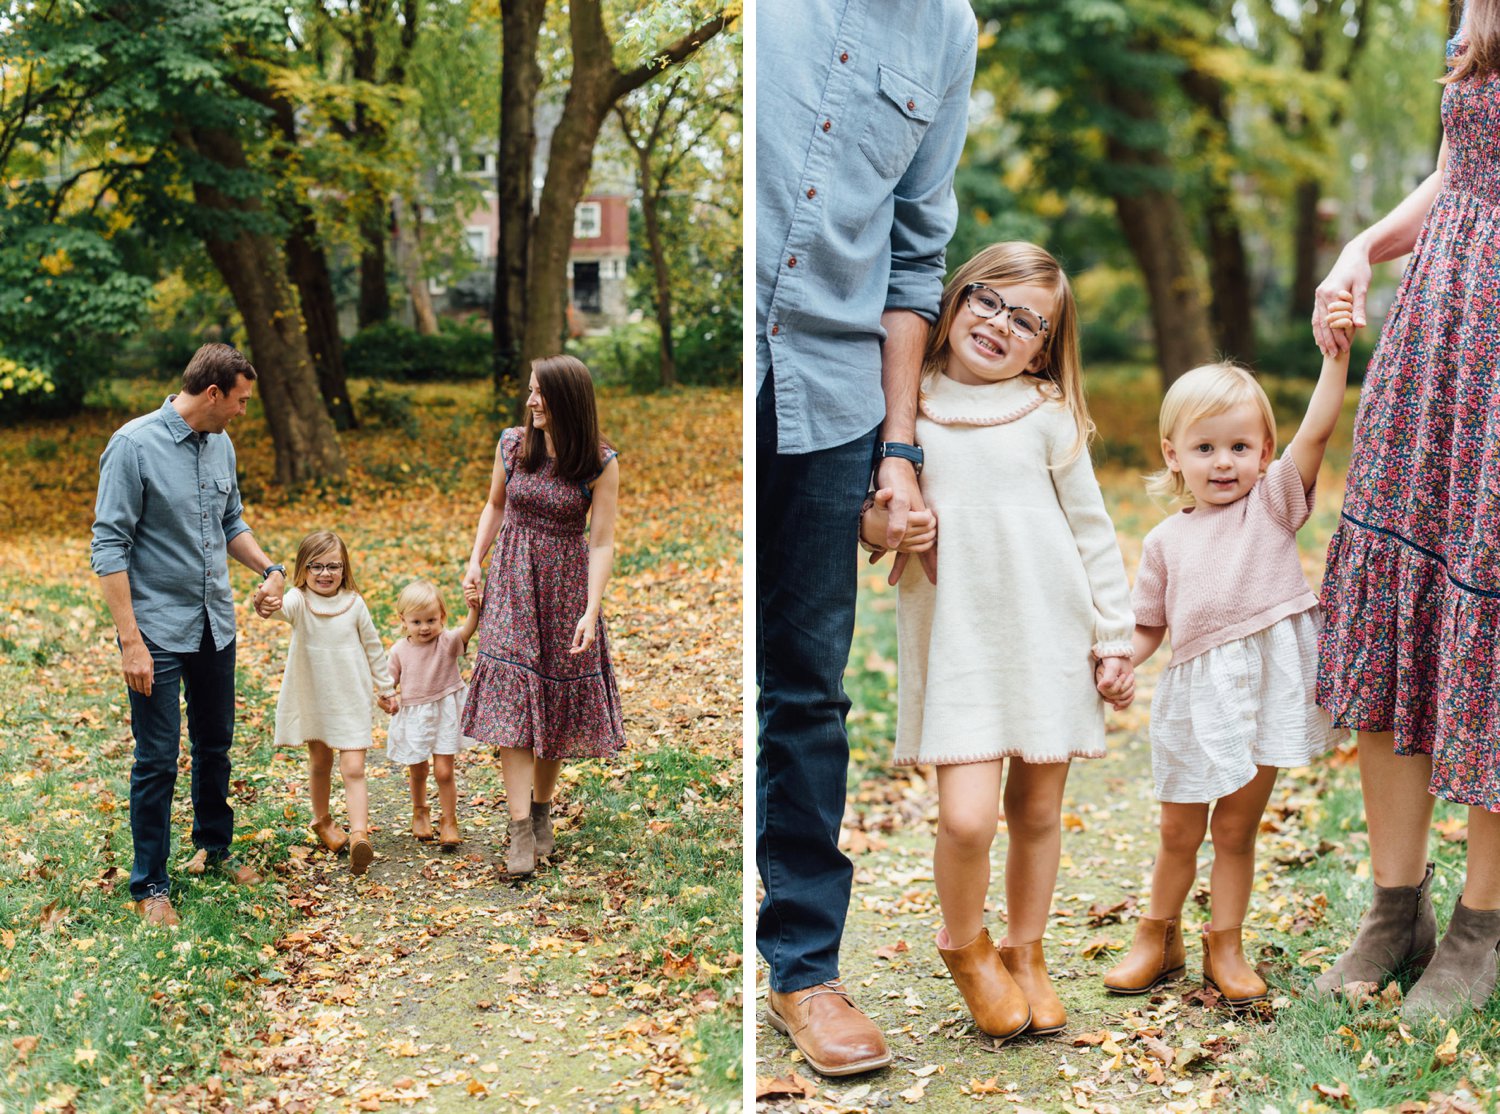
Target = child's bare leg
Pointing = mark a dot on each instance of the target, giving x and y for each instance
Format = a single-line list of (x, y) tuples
[(447, 786), (1236, 820), (1033, 825), (356, 797), (319, 777), (1182, 830), (968, 816), (545, 784), (418, 775), (517, 767)]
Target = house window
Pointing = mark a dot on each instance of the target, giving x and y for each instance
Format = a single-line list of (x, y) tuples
[(477, 239), (588, 221), (586, 287)]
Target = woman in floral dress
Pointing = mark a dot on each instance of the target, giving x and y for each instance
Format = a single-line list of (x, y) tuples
[(1410, 655), (543, 688)]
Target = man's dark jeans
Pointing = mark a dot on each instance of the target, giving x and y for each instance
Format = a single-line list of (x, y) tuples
[(206, 678), (807, 529)]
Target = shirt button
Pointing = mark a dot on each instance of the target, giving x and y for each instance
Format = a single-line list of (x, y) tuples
[(844, 57), (911, 106), (827, 125), (775, 329), (792, 262), (811, 193)]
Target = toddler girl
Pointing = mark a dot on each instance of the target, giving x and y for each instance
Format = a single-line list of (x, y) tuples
[(424, 666), (334, 661), (997, 658), (1236, 701)]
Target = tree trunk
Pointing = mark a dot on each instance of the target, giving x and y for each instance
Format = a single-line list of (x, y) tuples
[(407, 236), (306, 445), (374, 292), (650, 208), (597, 84), (520, 81), (1156, 230), (307, 266), (1305, 239), (1232, 305)]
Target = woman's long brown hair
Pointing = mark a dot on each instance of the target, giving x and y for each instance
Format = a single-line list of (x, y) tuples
[(573, 421), (1479, 54)]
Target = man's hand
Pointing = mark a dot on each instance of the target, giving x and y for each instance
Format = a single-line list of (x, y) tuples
[(1115, 680), (140, 670)]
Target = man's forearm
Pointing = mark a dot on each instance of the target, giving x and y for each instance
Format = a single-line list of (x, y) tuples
[(116, 589), (247, 551), (901, 372)]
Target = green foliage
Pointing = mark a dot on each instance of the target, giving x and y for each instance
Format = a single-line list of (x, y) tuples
[(394, 353), (23, 390), (391, 411)]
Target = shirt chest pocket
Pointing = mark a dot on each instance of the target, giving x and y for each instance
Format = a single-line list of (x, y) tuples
[(216, 491), (898, 120)]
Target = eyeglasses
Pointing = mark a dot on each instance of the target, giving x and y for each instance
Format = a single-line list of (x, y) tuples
[(319, 570), (1025, 324)]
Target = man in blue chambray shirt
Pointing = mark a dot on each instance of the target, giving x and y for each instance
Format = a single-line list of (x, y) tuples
[(166, 520), (862, 107)]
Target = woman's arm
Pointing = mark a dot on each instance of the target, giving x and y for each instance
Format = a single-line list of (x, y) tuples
[(491, 518), (1391, 237), (606, 492)]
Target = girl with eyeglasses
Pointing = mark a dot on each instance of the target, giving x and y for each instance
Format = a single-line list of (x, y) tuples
[(334, 663), (998, 658)]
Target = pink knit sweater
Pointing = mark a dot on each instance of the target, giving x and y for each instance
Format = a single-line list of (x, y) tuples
[(427, 672), (1215, 574)]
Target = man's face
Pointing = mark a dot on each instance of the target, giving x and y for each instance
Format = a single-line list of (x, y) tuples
[(224, 408)]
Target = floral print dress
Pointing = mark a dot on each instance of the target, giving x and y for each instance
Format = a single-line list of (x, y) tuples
[(527, 690), (1412, 587)]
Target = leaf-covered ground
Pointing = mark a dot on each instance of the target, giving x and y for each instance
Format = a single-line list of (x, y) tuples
[(610, 981), (1176, 1050)]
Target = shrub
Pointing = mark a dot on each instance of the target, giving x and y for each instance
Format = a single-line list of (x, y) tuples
[(392, 353), (392, 411), (24, 391)]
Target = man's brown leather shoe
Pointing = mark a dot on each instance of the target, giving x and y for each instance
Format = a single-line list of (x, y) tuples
[(828, 1029), (241, 874), (157, 910)]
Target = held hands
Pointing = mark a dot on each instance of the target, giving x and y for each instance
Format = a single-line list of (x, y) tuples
[(1340, 319), (473, 578), (585, 632), (1115, 679), (389, 704), (267, 598), (899, 478), (1349, 281), (920, 536)]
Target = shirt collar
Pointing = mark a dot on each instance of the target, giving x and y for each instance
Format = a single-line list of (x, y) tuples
[(176, 425)]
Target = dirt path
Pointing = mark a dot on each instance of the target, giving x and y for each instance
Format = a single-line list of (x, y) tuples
[(1104, 1060)]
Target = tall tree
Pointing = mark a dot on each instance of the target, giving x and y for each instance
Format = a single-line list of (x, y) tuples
[(539, 248), (664, 130)]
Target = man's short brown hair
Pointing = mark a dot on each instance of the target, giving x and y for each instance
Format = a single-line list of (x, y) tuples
[(216, 365)]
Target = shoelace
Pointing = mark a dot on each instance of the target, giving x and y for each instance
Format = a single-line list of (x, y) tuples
[(832, 986)]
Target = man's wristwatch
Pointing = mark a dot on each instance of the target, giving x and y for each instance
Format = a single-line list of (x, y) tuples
[(273, 568), (902, 450)]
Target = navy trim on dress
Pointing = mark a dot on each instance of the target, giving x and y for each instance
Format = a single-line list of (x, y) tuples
[(1457, 583)]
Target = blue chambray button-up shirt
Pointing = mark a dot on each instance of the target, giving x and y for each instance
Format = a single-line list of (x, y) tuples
[(861, 112), (168, 506)]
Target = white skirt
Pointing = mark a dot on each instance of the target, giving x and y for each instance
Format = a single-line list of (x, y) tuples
[(1247, 703), (418, 731)]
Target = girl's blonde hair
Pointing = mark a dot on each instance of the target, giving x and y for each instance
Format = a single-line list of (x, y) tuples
[(315, 544), (1202, 393), (419, 594), (1017, 263)]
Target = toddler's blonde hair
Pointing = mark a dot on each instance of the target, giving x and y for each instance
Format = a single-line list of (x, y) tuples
[(1202, 393), (418, 594)]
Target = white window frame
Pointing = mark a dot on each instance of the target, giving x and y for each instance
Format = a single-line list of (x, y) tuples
[(581, 214), (483, 231)]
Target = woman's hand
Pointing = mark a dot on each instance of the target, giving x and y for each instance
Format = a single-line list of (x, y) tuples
[(585, 632), (1349, 280)]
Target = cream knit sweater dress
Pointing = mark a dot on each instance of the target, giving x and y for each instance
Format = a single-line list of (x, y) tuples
[(997, 659), (334, 666)]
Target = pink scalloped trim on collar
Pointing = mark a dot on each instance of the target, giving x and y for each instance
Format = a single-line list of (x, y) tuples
[(1021, 411)]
